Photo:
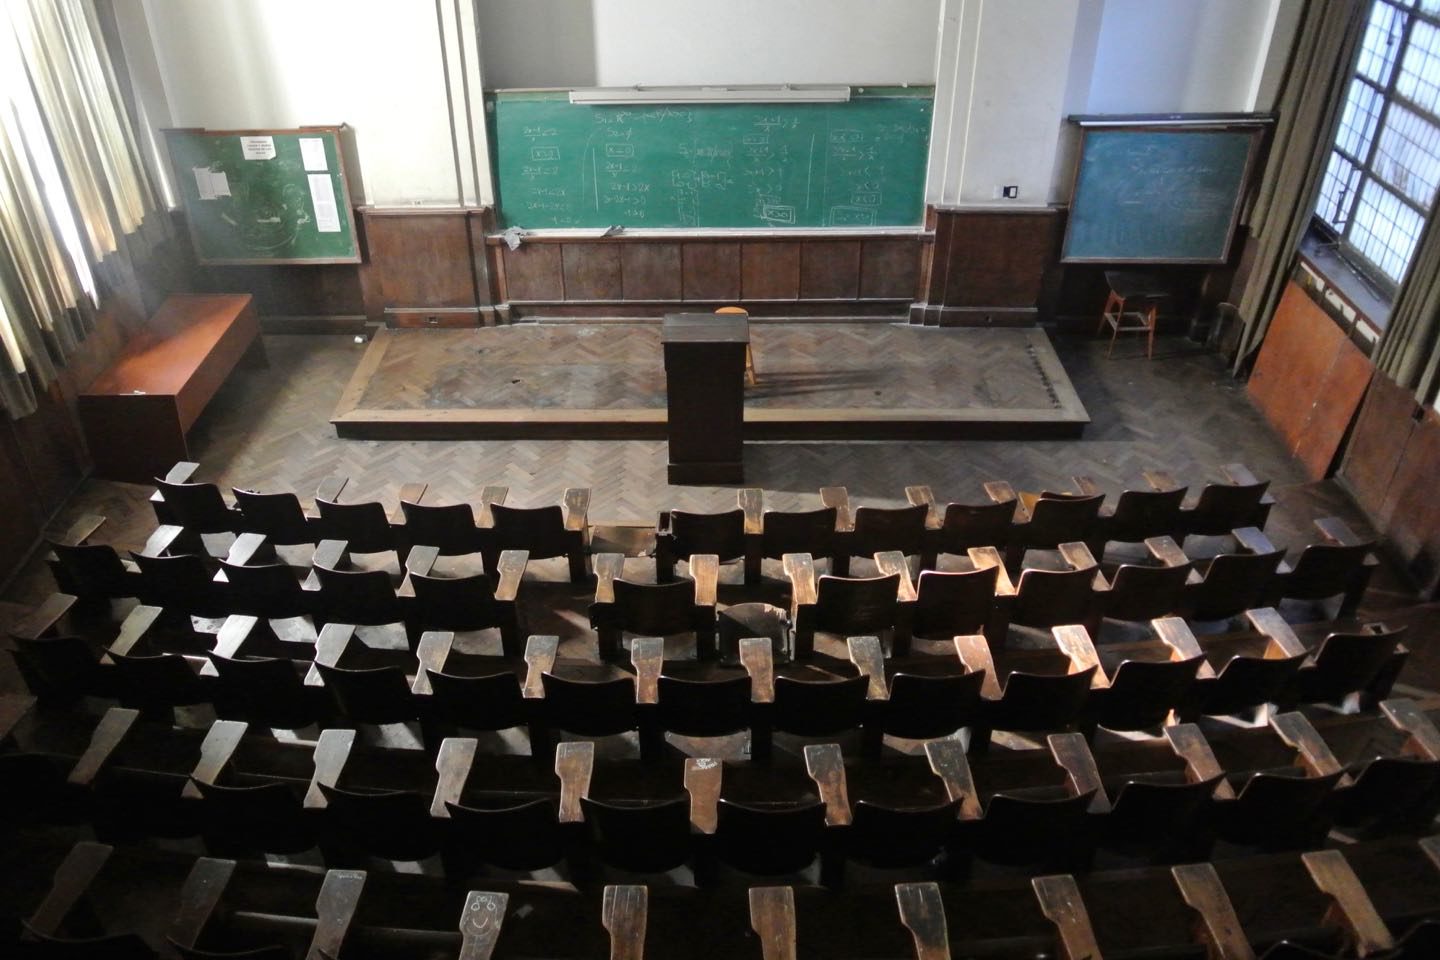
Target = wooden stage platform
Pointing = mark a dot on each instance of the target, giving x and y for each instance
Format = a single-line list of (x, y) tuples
[(844, 381)]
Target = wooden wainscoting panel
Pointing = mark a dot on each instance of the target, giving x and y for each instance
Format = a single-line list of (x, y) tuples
[(711, 271), (421, 259), (1413, 508), (830, 269), (998, 259), (532, 272), (890, 270), (650, 271), (592, 271), (1335, 405), (1387, 419), (770, 270), (21, 522)]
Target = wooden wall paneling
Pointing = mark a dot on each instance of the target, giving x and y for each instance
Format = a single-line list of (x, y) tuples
[(592, 270), (1294, 360), (770, 270), (1000, 259), (1382, 430), (1414, 508), (1335, 405), (53, 450), (921, 299), (650, 271), (889, 269), (21, 522), (830, 269), (422, 258), (477, 224), (532, 272), (711, 271)]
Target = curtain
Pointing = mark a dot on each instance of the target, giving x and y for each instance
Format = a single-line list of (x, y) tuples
[(1409, 351), (1308, 105), (74, 193)]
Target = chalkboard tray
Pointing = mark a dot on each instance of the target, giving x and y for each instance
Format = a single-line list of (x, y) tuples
[(265, 196), (855, 164), (1159, 194)]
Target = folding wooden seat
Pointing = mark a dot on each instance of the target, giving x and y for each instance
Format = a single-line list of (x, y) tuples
[(923, 706), (489, 701), (278, 516), (662, 609), (848, 606), (199, 930), (1136, 515), (363, 821), (1240, 501), (866, 531), (1393, 794), (810, 708), (198, 507), (475, 602), (181, 584), (679, 534), (1356, 668), (1135, 694), (1146, 591), (241, 815), (768, 840), (890, 837), (1024, 701), (542, 532), (639, 837), (63, 925), (90, 571), (1041, 598), (450, 529), (587, 708), (363, 694), (1341, 563), (948, 604), (1284, 809), (361, 597), (771, 534), (1045, 520), (267, 691), (1165, 819), (35, 788), (60, 667), (255, 587), (1247, 683), (151, 680), (702, 708), (957, 527), (1230, 583), (127, 797)]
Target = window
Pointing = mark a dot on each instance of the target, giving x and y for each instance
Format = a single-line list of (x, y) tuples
[(1385, 164)]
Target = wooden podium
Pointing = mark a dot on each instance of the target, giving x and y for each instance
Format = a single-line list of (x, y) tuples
[(704, 388)]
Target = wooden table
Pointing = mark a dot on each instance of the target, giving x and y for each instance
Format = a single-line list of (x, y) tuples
[(137, 412)]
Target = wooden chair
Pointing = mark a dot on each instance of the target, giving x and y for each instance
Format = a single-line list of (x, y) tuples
[(125, 800), (866, 531), (45, 929), (1136, 694), (388, 824), (948, 604), (679, 534), (511, 832), (703, 708), (751, 378), (1341, 563), (475, 602), (1136, 515), (1132, 306), (542, 532), (810, 708), (199, 930), (270, 590), (361, 597), (1042, 599), (770, 840), (182, 585), (849, 606), (1248, 683), (244, 818), (363, 694), (278, 516), (1230, 583), (956, 527), (365, 527), (267, 691), (648, 837), (771, 534), (1393, 794), (450, 529), (588, 708), (1044, 520), (889, 837), (1143, 591), (1026, 701), (198, 507), (1241, 500), (60, 667), (924, 707), (1356, 668), (490, 701), (90, 571), (1160, 822), (686, 606)]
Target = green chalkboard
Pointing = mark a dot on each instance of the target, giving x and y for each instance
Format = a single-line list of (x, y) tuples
[(1158, 195), (265, 196), (859, 163)]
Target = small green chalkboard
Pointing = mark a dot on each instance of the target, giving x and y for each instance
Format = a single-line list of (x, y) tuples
[(265, 196), (858, 164), (1167, 194)]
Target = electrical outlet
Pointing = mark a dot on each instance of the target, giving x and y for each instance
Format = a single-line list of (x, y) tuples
[(1010, 192)]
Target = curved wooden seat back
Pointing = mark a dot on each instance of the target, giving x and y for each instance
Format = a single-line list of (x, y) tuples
[(856, 605), (158, 681), (1051, 598), (1222, 507), (703, 708), (1020, 830), (768, 841), (365, 527), (655, 609), (371, 694), (390, 824), (454, 603), (1347, 662), (1391, 795), (266, 691), (888, 528), (278, 516), (361, 597), (1143, 692), (817, 708), (92, 570), (1323, 570), (198, 507), (892, 837), (590, 708), (923, 707), (253, 818), (1058, 518), (538, 530), (949, 604), (180, 584), (491, 702), (265, 590), (640, 837), (450, 528), (1144, 592), (1244, 684), (1140, 514), (722, 534), (1277, 811), (505, 834), (1233, 583), (1040, 701), (798, 531), (969, 525)]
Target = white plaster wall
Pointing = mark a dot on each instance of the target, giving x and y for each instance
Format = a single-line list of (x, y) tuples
[(372, 64), (537, 43)]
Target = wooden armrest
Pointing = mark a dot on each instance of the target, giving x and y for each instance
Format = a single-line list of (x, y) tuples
[(867, 656), (1191, 746), (923, 914), (1073, 755), (577, 508), (1175, 634), (330, 554), (1283, 642), (1239, 474), (330, 488), (1430, 846), (108, 735), (705, 571), (1000, 491), (136, 624), (78, 532), (329, 647), (540, 660), (751, 500), (215, 752), (772, 917), (974, 651), (492, 495), (1252, 540), (1405, 715), (72, 878), (949, 763), (647, 655), (1337, 531), (332, 749), (42, 619), (1074, 641), (1086, 486), (480, 923), (758, 659), (232, 636), (1220, 928), (335, 908), (161, 539), (511, 568), (893, 562), (1313, 754), (608, 568), (1060, 901), (250, 547), (574, 763), (181, 472), (421, 560), (204, 888), (702, 781), (14, 707), (983, 558), (430, 656), (1078, 556), (918, 495), (1167, 551), (1350, 906), (800, 568), (623, 911), (827, 768), (1161, 481), (839, 498), (452, 764), (409, 493)]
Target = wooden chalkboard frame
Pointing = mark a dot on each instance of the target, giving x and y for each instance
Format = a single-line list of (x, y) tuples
[(339, 178), (1252, 125)]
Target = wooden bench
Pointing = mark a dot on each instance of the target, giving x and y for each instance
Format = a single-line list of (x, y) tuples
[(137, 412)]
